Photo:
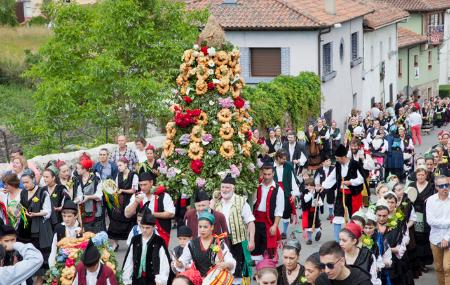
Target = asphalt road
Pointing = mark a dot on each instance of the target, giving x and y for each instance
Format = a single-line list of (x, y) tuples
[(327, 230)]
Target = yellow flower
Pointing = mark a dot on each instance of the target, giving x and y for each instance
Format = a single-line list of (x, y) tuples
[(398, 215), (54, 195), (393, 224), (303, 280), (215, 248), (35, 199), (366, 241)]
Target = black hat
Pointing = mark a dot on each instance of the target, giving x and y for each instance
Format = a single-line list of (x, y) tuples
[(325, 157), (147, 176), (69, 205), (201, 196), (148, 218), (229, 180), (184, 231), (341, 151), (6, 230), (91, 255)]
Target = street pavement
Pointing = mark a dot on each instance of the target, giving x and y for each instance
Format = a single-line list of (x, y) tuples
[(327, 230)]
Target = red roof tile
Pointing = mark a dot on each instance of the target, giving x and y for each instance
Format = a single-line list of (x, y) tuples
[(419, 5), (384, 14), (406, 38)]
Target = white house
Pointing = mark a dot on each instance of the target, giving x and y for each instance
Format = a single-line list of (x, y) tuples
[(380, 54), (444, 52), (289, 36)]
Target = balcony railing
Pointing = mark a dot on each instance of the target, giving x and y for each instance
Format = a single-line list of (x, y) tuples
[(435, 34)]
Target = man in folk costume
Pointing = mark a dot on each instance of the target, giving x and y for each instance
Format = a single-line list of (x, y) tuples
[(268, 211), (89, 197), (147, 258), (90, 271), (319, 177), (349, 182), (285, 177), (241, 225), (160, 203), (68, 228), (202, 204)]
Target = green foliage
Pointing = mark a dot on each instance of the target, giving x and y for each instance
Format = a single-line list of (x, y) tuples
[(109, 65), (38, 21), (8, 12), (15, 101), (297, 97), (444, 91)]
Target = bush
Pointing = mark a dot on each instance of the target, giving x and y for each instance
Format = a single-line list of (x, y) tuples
[(10, 72), (444, 91), (8, 12), (286, 100), (38, 21)]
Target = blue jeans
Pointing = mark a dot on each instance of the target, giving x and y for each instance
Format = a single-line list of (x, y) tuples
[(337, 228)]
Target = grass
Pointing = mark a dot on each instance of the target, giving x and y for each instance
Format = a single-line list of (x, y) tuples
[(15, 40), (14, 99)]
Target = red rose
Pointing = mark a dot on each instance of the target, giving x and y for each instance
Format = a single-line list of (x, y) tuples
[(196, 112), (211, 86), (204, 50), (70, 262), (249, 135), (187, 99), (196, 166), (239, 102)]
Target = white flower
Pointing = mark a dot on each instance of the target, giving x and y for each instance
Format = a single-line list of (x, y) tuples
[(195, 53), (211, 63), (216, 81), (205, 142), (214, 122), (210, 71), (211, 103), (211, 51), (184, 182), (223, 174), (188, 90), (196, 47)]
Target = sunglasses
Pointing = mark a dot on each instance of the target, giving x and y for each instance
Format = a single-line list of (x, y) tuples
[(330, 265), (443, 186)]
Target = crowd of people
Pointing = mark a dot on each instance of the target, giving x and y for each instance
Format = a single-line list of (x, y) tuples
[(388, 206)]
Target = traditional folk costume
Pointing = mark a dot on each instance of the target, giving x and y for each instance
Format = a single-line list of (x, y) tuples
[(353, 197), (61, 231), (37, 230), (314, 149), (119, 225), (182, 231), (283, 276), (238, 215), (285, 177), (310, 215), (91, 210), (11, 209), (324, 140), (205, 258), (269, 204), (159, 201), (327, 195), (103, 275), (147, 259), (57, 197)]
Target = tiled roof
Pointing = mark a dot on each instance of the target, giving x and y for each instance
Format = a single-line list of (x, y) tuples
[(419, 5), (383, 15), (406, 38), (279, 14)]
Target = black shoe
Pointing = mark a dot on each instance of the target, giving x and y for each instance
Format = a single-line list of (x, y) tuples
[(309, 242), (318, 236), (283, 236)]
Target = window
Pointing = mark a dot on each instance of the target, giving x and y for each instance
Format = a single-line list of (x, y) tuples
[(355, 46), (327, 58), (430, 92), (416, 60), (400, 68), (265, 62), (430, 60), (436, 19)]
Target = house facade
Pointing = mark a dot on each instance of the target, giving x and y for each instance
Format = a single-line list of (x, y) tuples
[(32, 8), (444, 53), (380, 54), (287, 37)]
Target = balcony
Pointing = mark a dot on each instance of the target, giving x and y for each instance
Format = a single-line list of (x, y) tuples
[(435, 34)]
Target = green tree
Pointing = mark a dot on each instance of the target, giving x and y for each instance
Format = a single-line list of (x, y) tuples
[(111, 65), (8, 12)]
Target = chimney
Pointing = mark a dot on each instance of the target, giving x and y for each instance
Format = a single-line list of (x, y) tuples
[(330, 7)]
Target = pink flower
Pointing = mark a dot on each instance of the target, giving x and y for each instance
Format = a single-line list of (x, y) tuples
[(70, 262), (235, 172), (226, 102), (200, 182)]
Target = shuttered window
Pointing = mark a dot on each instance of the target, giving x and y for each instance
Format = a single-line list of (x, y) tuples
[(355, 46), (265, 62), (327, 58)]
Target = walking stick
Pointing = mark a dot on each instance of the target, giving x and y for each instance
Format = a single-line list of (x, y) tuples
[(315, 214), (80, 219), (346, 216)]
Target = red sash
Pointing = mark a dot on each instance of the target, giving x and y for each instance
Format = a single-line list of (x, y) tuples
[(162, 233), (264, 217), (357, 200)]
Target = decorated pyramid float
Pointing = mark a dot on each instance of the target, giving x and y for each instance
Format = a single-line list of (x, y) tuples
[(210, 134), (69, 254)]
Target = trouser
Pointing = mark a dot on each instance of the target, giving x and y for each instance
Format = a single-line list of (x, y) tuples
[(441, 258), (416, 137)]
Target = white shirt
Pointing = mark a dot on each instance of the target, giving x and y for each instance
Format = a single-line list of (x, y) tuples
[(280, 169), (414, 119), (141, 156), (331, 179), (168, 203), (91, 277), (72, 231), (291, 150), (438, 217), (132, 233), (164, 268), (279, 208), (134, 183), (80, 196), (247, 215)]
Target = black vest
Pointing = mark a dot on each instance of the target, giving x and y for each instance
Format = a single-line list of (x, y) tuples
[(153, 260), (352, 173), (203, 259)]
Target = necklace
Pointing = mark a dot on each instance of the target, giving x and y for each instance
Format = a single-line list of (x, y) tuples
[(289, 272)]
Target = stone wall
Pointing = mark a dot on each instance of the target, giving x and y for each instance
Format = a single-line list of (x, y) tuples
[(7, 141)]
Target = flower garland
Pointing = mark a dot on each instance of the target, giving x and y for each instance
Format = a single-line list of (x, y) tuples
[(69, 254)]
